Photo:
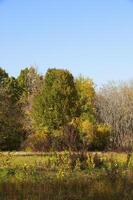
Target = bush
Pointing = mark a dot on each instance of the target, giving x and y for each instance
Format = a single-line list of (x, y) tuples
[(86, 132), (58, 142), (39, 141), (101, 137)]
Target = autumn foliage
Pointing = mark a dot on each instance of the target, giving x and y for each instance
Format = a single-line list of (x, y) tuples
[(57, 112)]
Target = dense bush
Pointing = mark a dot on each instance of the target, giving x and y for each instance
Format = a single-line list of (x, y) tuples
[(38, 142), (101, 137)]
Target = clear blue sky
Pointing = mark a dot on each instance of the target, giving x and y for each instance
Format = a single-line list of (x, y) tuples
[(89, 37)]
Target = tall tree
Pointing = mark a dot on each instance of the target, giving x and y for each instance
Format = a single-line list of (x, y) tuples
[(29, 80), (10, 113), (56, 104), (30, 83)]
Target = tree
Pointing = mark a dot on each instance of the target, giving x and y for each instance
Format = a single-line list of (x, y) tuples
[(13, 89), (22, 80), (10, 123), (29, 80), (86, 94), (30, 83), (86, 120), (115, 108), (10, 113), (56, 104), (3, 76), (10, 84)]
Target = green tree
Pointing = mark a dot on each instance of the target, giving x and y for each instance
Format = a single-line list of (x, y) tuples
[(10, 123), (30, 83), (56, 104), (13, 89), (3, 76), (10, 84), (22, 80), (10, 113), (29, 80)]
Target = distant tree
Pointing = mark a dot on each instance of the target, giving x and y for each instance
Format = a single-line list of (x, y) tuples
[(86, 120), (10, 113), (10, 124), (56, 104), (30, 83), (3, 76), (22, 80), (10, 84), (115, 108), (13, 89), (29, 80)]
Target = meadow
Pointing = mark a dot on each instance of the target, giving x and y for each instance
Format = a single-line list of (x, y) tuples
[(66, 175)]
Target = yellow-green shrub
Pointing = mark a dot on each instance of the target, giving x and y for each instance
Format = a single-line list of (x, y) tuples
[(39, 141), (101, 137), (86, 131)]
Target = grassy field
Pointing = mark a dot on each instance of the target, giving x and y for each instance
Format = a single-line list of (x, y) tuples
[(66, 176), (18, 159)]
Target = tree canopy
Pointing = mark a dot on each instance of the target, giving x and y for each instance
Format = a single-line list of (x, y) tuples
[(57, 112), (56, 104)]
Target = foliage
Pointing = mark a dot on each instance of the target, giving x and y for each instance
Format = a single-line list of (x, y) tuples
[(56, 112), (56, 105), (29, 81), (58, 140), (86, 94), (87, 133), (10, 114), (10, 125), (3, 76), (39, 141), (101, 137)]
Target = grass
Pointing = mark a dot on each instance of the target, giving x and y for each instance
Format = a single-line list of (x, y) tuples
[(75, 187), (19, 159), (66, 176)]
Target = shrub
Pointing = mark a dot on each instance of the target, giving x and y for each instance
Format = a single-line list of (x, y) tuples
[(101, 137), (98, 161), (86, 133), (39, 141), (57, 140)]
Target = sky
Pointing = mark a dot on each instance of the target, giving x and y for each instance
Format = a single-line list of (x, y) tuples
[(89, 37)]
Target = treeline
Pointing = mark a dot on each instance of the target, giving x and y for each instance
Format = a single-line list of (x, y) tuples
[(57, 112)]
